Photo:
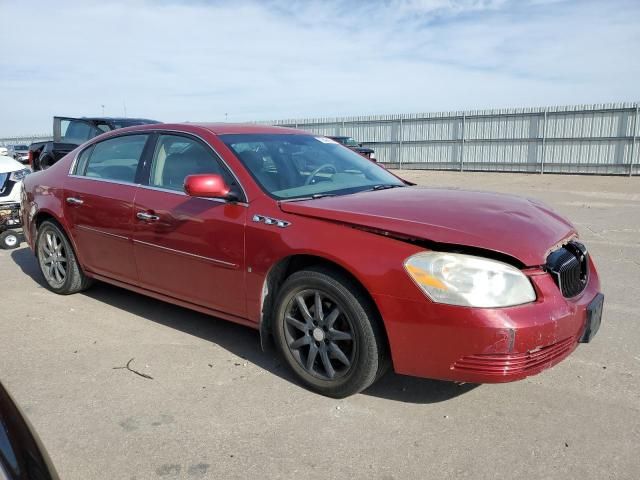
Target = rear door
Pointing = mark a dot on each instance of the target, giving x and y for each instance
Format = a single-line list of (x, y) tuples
[(187, 247), (99, 196)]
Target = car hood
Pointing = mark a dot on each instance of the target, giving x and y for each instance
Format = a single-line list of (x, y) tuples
[(8, 164), (521, 228)]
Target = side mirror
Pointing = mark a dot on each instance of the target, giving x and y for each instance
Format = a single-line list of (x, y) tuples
[(208, 185)]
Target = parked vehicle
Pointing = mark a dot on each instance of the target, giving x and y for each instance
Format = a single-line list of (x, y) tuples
[(9, 223), (356, 147), (12, 174), (22, 456), (346, 265), (69, 132), (19, 153)]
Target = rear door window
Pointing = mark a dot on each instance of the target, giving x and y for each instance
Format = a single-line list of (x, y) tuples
[(114, 159)]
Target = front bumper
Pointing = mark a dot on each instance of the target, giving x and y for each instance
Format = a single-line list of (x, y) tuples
[(479, 345), (11, 192)]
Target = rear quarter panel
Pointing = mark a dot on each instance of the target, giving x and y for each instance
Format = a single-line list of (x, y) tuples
[(43, 193)]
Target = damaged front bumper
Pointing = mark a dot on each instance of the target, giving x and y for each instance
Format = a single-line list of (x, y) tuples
[(483, 345)]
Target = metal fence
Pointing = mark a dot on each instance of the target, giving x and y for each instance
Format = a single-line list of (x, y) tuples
[(24, 140), (601, 139)]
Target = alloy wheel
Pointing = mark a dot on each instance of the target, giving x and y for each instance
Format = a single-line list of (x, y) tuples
[(53, 258), (320, 335)]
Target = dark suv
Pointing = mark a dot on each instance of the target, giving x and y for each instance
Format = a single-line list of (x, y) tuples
[(69, 132), (356, 147)]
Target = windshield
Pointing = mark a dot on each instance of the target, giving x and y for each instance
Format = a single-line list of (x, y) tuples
[(350, 142), (20, 147), (295, 166)]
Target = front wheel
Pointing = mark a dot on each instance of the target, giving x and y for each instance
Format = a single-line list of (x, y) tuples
[(58, 262), (328, 332)]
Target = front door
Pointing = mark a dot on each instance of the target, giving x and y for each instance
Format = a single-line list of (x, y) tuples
[(99, 196), (186, 247)]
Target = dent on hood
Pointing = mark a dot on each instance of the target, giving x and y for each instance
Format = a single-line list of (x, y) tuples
[(512, 228)]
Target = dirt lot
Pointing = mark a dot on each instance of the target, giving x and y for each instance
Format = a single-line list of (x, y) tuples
[(219, 407)]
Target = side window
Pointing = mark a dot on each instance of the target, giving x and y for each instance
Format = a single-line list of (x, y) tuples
[(176, 157), (81, 162), (116, 158)]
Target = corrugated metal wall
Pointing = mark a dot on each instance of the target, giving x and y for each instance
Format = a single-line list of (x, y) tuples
[(24, 140), (599, 138)]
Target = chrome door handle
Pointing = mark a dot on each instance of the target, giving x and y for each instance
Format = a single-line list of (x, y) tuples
[(74, 201), (147, 217)]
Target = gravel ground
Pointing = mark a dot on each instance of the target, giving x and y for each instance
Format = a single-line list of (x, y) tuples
[(218, 407)]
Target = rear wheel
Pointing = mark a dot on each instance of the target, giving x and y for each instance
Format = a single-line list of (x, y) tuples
[(58, 262), (328, 332), (9, 240)]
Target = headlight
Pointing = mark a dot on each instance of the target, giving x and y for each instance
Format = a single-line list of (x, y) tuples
[(19, 175), (469, 281)]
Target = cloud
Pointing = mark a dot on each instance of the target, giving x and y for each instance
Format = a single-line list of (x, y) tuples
[(199, 60)]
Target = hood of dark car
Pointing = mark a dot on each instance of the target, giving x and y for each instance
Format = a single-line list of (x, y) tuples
[(363, 150), (521, 228)]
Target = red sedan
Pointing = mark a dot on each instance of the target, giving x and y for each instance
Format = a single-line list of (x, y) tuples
[(348, 267)]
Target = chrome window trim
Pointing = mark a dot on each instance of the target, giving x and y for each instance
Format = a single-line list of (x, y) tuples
[(106, 180), (177, 192), (160, 131), (193, 255), (148, 187), (73, 163)]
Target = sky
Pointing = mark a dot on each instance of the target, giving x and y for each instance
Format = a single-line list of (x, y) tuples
[(217, 60)]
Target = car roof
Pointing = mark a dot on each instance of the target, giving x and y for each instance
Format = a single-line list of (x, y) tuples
[(218, 128), (119, 119), (224, 128)]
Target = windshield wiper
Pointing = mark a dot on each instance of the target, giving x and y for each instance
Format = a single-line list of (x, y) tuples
[(384, 186), (311, 197)]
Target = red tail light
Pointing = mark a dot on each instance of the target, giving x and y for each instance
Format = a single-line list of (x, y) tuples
[(31, 159)]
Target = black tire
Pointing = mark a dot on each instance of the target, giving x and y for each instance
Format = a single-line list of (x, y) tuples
[(361, 358), (9, 240), (67, 279)]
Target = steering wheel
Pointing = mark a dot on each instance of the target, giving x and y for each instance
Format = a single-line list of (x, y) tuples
[(318, 170)]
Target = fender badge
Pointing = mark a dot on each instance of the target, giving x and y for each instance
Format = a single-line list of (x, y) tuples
[(271, 221)]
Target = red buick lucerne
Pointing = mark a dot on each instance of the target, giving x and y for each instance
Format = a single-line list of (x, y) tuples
[(348, 267)]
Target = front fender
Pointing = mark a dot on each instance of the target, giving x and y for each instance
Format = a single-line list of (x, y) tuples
[(375, 261)]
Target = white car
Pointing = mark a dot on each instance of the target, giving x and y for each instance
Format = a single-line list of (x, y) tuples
[(12, 173)]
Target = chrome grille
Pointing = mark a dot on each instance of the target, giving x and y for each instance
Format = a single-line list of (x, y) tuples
[(569, 266)]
